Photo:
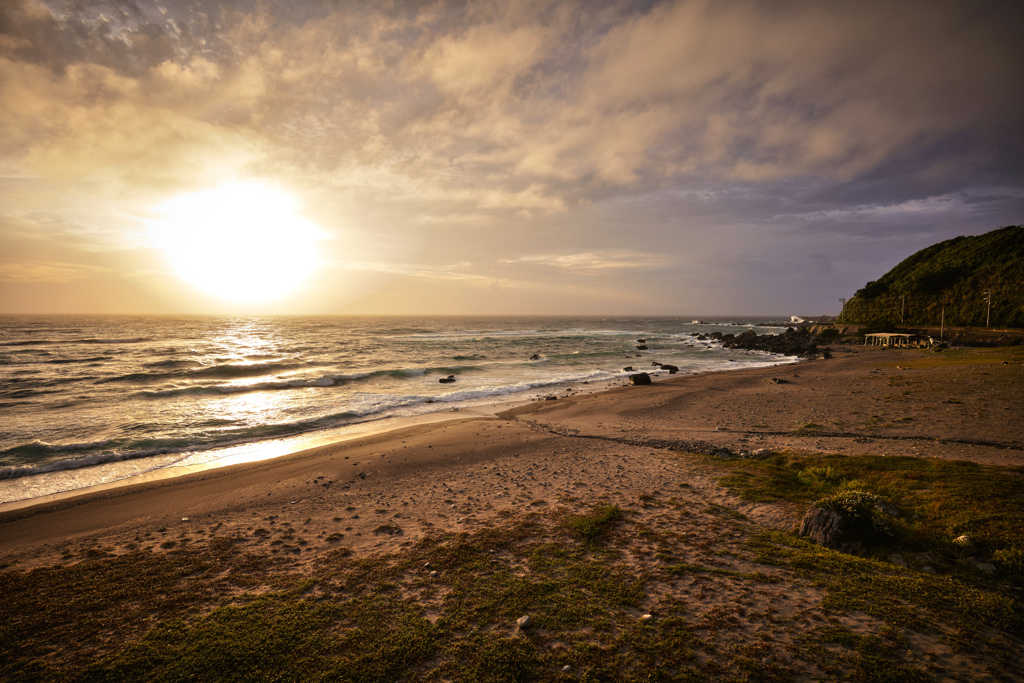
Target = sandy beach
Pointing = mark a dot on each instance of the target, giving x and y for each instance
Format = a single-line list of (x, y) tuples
[(389, 493), (469, 471)]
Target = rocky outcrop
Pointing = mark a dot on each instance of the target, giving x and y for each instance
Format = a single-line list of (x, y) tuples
[(793, 342), (640, 378)]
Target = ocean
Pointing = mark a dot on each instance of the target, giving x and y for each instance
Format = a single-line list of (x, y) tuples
[(89, 400)]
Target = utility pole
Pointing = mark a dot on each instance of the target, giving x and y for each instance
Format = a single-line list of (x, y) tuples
[(843, 302), (988, 312)]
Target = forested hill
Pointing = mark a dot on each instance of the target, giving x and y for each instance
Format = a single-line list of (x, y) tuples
[(953, 275)]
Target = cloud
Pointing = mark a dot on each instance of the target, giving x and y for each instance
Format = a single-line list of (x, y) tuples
[(453, 272), (596, 263), (38, 272), (947, 206), (543, 104)]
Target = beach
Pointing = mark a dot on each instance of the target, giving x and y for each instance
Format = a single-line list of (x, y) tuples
[(395, 493)]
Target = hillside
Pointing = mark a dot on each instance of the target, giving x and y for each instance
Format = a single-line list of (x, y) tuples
[(952, 276)]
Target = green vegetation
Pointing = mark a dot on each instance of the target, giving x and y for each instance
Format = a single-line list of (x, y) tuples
[(865, 518), (951, 276), (940, 500), (590, 526)]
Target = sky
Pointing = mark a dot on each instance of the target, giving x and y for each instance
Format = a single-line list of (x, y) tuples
[(590, 158)]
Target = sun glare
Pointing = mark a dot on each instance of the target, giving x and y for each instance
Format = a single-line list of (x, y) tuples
[(241, 242)]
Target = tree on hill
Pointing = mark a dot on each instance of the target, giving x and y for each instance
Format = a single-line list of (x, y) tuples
[(958, 276)]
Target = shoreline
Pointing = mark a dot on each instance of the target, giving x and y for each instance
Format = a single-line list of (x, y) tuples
[(818, 405), (257, 451)]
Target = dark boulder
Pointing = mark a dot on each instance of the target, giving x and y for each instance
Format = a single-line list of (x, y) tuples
[(639, 379), (535, 357), (672, 369), (628, 368), (641, 341), (823, 527), (447, 380), (641, 347), (853, 517)]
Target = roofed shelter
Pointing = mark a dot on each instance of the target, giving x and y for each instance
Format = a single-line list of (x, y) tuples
[(897, 340)]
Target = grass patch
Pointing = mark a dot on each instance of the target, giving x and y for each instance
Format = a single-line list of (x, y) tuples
[(940, 499), (809, 429), (591, 525), (900, 597)]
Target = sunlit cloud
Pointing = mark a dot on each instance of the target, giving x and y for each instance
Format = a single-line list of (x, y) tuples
[(39, 272), (456, 272), (592, 262)]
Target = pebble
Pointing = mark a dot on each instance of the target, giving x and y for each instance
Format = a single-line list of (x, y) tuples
[(646, 617), (523, 621), (566, 669)]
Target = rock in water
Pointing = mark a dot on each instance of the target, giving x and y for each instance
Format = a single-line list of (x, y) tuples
[(822, 526), (640, 378)]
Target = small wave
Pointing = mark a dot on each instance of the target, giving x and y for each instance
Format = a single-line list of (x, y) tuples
[(11, 404), (127, 340), (160, 446), (329, 380), (228, 370), (323, 381), (16, 471), (27, 393), (91, 340), (243, 369), (30, 342), (69, 361), (171, 363), (36, 448)]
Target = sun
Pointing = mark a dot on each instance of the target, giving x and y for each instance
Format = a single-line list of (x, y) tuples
[(241, 242)]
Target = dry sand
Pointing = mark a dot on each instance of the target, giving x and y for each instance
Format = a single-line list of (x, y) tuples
[(386, 491)]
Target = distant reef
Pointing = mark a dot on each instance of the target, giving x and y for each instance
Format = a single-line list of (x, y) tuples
[(960, 282)]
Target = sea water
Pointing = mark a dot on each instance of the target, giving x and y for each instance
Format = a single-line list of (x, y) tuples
[(87, 400)]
